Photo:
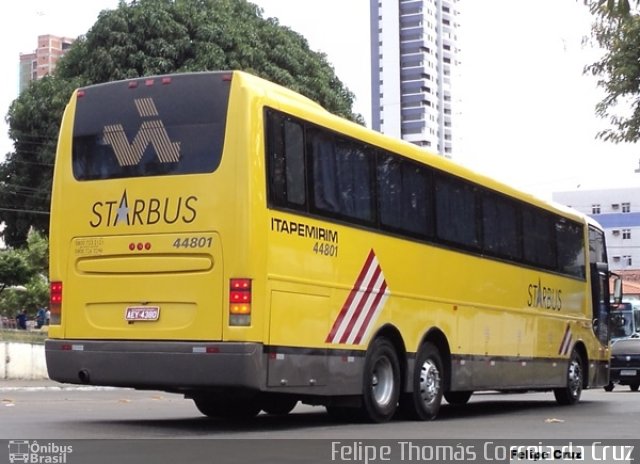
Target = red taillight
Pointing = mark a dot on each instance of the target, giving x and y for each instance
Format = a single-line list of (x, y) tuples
[(240, 302), (55, 302)]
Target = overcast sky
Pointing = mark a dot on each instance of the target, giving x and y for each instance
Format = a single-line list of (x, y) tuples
[(526, 111)]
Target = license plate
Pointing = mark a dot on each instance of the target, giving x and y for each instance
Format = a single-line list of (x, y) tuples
[(628, 372), (142, 313)]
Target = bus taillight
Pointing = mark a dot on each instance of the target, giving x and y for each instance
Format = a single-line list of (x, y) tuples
[(240, 302), (55, 302)]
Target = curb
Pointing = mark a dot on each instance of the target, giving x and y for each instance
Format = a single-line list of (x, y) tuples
[(22, 361)]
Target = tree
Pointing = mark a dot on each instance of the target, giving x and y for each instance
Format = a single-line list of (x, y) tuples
[(150, 37), (23, 281), (616, 29)]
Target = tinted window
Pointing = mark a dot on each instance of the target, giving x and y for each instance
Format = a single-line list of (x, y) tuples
[(150, 127), (598, 252), (341, 179), (286, 161), (500, 226), (404, 198), (456, 212), (570, 246), (538, 240)]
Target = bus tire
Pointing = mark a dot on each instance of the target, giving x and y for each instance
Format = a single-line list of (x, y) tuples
[(570, 394), (458, 397), (381, 382), (227, 408), (424, 402)]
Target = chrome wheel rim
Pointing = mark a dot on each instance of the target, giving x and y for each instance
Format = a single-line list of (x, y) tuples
[(382, 383), (575, 378), (429, 381)]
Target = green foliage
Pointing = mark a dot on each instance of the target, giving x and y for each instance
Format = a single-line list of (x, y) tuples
[(616, 29), (142, 38), (23, 281)]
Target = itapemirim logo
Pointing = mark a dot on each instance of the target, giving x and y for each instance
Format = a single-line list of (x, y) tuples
[(32, 452), (152, 131)]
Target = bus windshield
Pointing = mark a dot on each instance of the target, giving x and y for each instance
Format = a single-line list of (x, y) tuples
[(168, 126)]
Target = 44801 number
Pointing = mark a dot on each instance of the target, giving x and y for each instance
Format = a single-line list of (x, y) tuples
[(193, 242), (325, 249)]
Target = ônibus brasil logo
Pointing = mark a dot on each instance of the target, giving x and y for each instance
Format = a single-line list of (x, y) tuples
[(28, 451)]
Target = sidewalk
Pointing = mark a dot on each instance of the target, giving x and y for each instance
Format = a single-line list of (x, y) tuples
[(9, 385)]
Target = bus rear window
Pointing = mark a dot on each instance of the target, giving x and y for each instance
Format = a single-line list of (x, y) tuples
[(150, 126)]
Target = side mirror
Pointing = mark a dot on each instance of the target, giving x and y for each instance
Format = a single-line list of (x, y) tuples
[(617, 289)]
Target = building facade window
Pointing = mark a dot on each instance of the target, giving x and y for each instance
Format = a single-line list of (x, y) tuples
[(627, 260), (595, 209), (626, 234), (626, 207)]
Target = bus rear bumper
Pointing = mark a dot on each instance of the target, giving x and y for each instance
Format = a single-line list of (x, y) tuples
[(170, 366)]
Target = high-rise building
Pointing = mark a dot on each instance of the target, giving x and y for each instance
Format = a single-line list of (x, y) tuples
[(413, 57), (43, 60)]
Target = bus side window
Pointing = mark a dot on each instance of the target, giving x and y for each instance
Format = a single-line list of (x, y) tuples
[(404, 196), (341, 177), (285, 153)]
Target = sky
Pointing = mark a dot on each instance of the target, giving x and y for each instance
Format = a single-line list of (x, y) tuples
[(524, 110)]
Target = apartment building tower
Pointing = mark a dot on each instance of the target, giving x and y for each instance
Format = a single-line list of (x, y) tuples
[(413, 57), (43, 60), (617, 210)]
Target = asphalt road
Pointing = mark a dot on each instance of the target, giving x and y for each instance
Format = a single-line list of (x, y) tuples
[(47, 411)]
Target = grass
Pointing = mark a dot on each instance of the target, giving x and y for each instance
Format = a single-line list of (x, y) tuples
[(22, 336)]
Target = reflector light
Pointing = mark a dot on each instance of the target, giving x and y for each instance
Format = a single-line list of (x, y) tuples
[(81, 93), (166, 80), (132, 246), (237, 296), (56, 292), (240, 302), (140, 246), (55, 302), (133, 84), (148, 82), (147, 246), (236, 308), (226, 77), (240, 284)]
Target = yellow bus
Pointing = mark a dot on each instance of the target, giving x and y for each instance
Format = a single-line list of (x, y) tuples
[(219, 236)]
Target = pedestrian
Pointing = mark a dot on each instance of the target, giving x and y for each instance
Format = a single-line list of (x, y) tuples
[(40, 316), (47, 317), (21, 320)]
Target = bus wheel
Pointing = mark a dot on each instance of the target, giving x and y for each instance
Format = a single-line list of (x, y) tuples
[(278, 405), (424, 402), (570, 394), (381, 382), (609, 387), (634, 387), (458, 397), (227, 408)]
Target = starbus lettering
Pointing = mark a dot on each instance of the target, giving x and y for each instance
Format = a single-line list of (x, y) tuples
[(140, 211), (544, 297)]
